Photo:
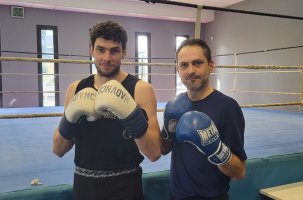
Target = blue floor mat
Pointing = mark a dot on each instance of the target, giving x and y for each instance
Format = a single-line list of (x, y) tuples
[(25, 145)]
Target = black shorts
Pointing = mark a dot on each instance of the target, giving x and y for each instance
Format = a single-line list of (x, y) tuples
[(221, 197), (122, 187)]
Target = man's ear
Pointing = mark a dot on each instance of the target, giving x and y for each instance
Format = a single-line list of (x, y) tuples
[(124, 53), (177, 69), (211, 66), (91, 51)]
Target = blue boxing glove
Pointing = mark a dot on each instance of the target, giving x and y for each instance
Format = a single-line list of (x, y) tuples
[(174, 109), (198, 129)]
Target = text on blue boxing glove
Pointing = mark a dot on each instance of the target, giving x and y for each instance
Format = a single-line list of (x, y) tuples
[(198, 129)]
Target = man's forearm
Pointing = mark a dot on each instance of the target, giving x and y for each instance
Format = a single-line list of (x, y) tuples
[(235, 168)]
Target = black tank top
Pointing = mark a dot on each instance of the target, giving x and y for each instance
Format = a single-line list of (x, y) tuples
[(101, 144)]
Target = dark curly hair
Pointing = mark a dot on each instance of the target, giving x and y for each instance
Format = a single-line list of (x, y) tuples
[(109, 30)]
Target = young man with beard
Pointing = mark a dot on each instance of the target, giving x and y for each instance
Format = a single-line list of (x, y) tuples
[(204, 129), (111, 119)]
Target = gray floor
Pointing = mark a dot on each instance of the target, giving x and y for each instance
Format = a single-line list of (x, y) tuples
[(25, 145)]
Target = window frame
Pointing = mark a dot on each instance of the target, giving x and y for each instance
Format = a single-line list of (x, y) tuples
[(148, 35), (176, 77), (56, 65), (1, 88)]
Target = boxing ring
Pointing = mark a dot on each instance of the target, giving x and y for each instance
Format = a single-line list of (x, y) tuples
[(25, 145), (26, 133), (26, 136), (273, 137)]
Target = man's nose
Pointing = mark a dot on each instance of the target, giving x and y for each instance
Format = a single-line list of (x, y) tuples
[(106, 55), (191, 69)]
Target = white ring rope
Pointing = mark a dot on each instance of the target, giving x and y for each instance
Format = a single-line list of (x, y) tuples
[(168, 89), (31, 74), (151, 74), (256, 72), (8, 116), (23, 59), (264, 92), (28, 91), (272, 104), (268, 68), (272, 67), (259, 67)]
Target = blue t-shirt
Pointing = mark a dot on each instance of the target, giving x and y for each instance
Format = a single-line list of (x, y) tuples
[(192, 175)]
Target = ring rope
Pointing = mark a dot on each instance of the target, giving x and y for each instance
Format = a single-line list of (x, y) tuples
[(158, 110), (255, 72), (24, 59), (166, 89), (264, 92), (28, 91), (32, 91), (63, 91), (151, 74), (272, 104), (259, 67), (30, 115), (31, 74)]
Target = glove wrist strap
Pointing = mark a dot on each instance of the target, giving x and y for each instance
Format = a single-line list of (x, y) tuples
[(221, 156), (136, 123), (67, 129)]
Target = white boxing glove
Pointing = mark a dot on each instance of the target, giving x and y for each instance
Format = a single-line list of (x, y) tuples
[(82, 104), (112, 96)]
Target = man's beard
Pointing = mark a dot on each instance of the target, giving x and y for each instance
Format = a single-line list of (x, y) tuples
[(195, 85), (109, 74)]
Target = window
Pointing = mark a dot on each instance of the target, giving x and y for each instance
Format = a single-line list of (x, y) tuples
[(93, 69), (48, 49), (179, 85), (1, 96), (143, 55)]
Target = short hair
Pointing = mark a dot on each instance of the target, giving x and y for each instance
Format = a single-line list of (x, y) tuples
[(196, 42), (109, 30)]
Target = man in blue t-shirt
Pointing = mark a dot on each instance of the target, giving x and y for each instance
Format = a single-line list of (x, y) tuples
[(204, 129)]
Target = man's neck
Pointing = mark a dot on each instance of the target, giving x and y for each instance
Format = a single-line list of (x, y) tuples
[(100, 80), (201, 94)]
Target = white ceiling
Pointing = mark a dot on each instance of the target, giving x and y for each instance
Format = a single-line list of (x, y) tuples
[(134, 8)]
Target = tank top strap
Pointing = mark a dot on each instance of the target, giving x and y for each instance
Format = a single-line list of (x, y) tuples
[(86, 82), (130, 83)]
